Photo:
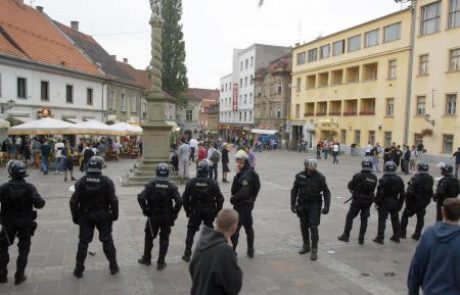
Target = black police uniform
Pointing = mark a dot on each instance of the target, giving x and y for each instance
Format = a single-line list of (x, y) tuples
[(448, 187), (202, 201), (362, 187), (245, 189), (390, 200), (94, 205), (161, 203), (418, 197), (18, 198), (306, 200)]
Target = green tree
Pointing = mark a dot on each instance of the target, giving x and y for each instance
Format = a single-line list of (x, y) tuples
[(174, 71)]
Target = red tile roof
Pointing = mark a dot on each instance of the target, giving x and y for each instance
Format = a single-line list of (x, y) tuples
[(28, 34), (203, 94)]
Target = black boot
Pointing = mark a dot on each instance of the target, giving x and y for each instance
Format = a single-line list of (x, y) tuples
[(361, 241), (344, 238), (161, 264), (145, 261), (314, 254), (114, 269), (187, 254), (416, 236), (305, 249), (378, 240), (78, 272), (250, 252), (395, 239), (3, 277), (19, 277), (403, 234)]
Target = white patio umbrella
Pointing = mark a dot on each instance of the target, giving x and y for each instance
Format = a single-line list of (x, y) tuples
[(128, 129), (4, 123), (45, 126), (93, 127)]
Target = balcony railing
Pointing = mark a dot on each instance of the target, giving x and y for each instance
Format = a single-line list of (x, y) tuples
[(350, 113), (309, 114), (367, 113), (335, 113), (320, 114)]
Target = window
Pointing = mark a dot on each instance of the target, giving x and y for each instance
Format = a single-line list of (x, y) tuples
[(454, 14), (323, 79), (299, 84), (246, 63), (241, 66), (189, 115), (371, 38), (22, 88), (353, 75), (89, 96), (251, 80), (420, 111), (69, 93), (297, 110), (324, 51), (370, 72), (245, 81), (430, 18), (241, 82), (313, 55), (343, 136), (392, 33), (418, 139), (371, 137), (354, 43), (390, 107), (44, 90), (423, 65), (338, 47), (392, 68), (387, 139), (455, 60), (358, 137), (447, 143), (134, 104), (111, 103), (245, 116), (451, 104), (280, 89), (337, 77), (301, 58), (252, 61), (123, 103), (311, 81)]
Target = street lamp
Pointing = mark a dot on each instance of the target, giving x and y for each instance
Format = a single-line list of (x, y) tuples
[(9, 105)]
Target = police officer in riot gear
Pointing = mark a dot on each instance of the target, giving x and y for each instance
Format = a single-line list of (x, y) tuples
[(202, 201), (17, 198), (390, 200), (94, 205), (310, 188), (161, 203), (418, 197), (448, 187), (362, 187), (245, 189)]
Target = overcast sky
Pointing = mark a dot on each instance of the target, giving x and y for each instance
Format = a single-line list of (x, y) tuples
[(212, 28)]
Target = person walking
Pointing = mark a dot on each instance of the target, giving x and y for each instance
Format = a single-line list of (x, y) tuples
[(214, 269), (214, 157), (335, 153), (457, 161), (448, 187), (434, 267), (193, 146), (68, 162), (18, 199), (94, 205), (225, 163), (45, 151), (184, 160), (318, 151), (59, 157), (413, 160)]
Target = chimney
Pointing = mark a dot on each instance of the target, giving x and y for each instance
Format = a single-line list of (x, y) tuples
[(75, 25), (125, 60), (114, 57), (40, 8)]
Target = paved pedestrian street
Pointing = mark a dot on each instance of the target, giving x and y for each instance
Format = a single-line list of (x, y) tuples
[(276, 269)]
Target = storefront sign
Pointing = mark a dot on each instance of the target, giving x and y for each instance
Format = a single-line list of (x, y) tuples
[(235, 97)]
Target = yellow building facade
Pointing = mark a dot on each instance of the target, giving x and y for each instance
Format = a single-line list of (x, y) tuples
[(434, 119), (351, 86)]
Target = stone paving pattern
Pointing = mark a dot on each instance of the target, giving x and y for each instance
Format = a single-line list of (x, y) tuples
[(342, 268)]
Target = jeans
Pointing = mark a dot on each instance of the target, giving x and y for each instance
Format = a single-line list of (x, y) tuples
[(59, 164), (45, 165), (213, 171)]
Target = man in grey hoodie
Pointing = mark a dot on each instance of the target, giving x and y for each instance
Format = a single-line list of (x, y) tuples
[(214, 269), (436, 264)]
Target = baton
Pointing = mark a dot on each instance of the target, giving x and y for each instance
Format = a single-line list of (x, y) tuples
[(150, 226), (347, 201), (6, 235)]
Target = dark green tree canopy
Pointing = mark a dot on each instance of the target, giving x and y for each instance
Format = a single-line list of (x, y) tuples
[(174, 70)]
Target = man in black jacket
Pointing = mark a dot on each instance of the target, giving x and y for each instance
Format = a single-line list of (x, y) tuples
[(307, 195), (202, 201), (245, 188), (18, 199), (94, 205), (362, 187), (214, 269), (448, 187), (390, 200), (419, 194), (161, 203)]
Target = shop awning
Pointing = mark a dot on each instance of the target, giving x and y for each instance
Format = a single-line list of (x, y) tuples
[(263, 131), (128, 129), (46, 126), (174, 125), (4, 123), (22, 119), (93, 127)]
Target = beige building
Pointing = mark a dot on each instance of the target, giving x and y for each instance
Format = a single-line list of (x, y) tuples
[(434, 119), (351, 86)]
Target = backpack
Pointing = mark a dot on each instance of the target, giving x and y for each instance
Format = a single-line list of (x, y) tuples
[(215, 157)]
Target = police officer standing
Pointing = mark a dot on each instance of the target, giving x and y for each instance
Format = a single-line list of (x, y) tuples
[(310, 188), (202, 201), (390, 200), (161, 203), (245, 188), (362, 187), (419, 194), (448, 187), (94, 205), (17, 198)]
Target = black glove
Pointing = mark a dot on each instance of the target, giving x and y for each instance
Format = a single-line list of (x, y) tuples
[(145, 212), (113, 216), (294, 209), (325, 210), (76, 220), (187, 213), (232, 200)]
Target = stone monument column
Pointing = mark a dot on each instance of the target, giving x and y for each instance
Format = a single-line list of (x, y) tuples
[(157, 133)]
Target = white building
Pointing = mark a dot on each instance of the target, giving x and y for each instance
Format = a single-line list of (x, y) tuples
[(236, 111)]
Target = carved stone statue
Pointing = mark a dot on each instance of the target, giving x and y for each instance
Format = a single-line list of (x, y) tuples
[(155, 5)]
